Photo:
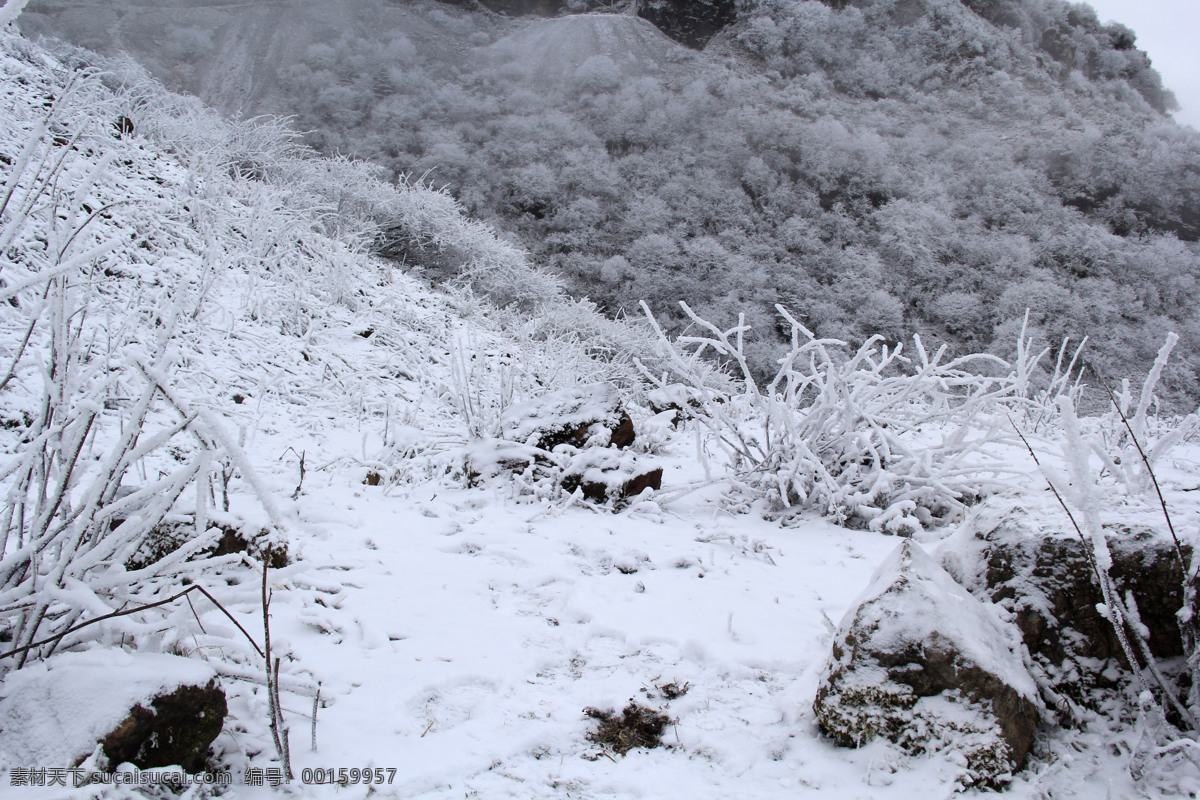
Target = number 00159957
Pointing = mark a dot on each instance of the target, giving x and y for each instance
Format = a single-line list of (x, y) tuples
[(347, 776)]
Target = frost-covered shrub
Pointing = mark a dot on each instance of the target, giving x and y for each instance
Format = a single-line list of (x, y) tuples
[(109, 444), (869, 436), (597, 74), (962, 148)]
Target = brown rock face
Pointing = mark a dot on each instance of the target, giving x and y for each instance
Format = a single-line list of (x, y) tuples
[(922, 663), (1045, 579), (177, 729)]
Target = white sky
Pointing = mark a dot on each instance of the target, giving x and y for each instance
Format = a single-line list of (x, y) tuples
[(1167, 30)]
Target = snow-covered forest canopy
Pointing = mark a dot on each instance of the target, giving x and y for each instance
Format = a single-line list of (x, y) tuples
[(878, 167), (567, 398)]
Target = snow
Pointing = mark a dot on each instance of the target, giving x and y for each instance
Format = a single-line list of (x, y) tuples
[(584, 47), (53, 712), (485, 635)]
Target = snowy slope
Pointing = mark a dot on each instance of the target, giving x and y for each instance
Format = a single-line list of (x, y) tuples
[(551, 52), (236, 50)]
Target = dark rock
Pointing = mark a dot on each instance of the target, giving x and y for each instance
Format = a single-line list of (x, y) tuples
[(123, 127), (922, 663), (690, 22), (647, 480), (177, 729), (578, 438), (150, 709), (683, 400), (1045, 579), (489, 458), (623, 435), (259, 545), (575, 417), (605, 474)]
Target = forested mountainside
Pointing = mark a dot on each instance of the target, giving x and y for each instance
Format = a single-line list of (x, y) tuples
[(880, 166)]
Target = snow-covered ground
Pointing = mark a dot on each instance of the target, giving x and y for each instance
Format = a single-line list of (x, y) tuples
[(457, 633)]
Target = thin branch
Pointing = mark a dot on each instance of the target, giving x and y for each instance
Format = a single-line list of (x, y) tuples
[(193, 588), (1149, 470)]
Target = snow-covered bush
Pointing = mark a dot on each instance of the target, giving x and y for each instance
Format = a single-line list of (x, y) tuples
[(1169, 718), (870, 436), (1133, 434), (107, 445)]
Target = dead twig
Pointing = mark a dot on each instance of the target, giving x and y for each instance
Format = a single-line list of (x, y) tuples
[(279, 732), (128, 611)]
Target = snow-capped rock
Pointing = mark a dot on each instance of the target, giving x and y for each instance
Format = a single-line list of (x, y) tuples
[(921, 662), (148, 709)]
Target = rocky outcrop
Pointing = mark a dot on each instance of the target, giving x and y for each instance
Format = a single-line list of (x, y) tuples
[(148, 709), (490, 458), (577, 417), (681, 401), (921, 662), (172, 728), (574, 440), (235, 537), (689, 22), (1044, 578), (604, 474)]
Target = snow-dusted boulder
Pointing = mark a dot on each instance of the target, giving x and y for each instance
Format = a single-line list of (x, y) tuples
[(581, 416), (577, 438), (681, 400), (489, 458), (921, 662), (604, 474), (1042, 575), (148, 709)]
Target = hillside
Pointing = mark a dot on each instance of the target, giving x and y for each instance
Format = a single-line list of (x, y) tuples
[(366, 466), (879, 167)]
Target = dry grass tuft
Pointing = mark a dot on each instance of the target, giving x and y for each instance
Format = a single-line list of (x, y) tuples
[(636, 726)]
